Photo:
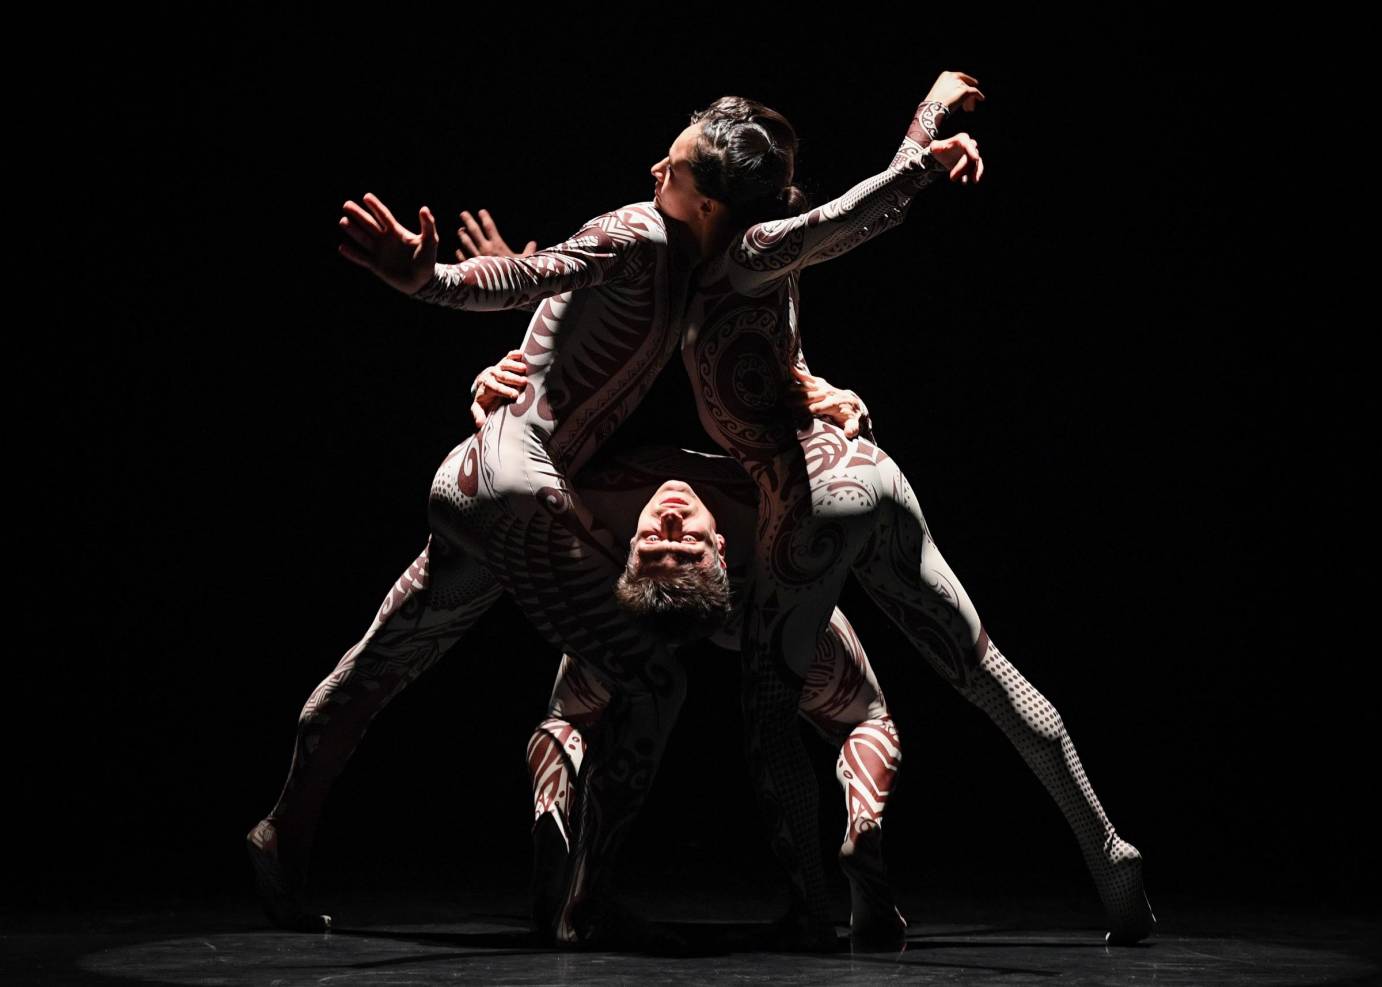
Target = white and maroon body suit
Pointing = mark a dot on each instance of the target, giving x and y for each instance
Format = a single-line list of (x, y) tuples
[(829, 506)]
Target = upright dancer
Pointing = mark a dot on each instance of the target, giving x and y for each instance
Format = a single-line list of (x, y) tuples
[(827, 504)]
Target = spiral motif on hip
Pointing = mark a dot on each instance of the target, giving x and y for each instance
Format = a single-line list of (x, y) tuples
[(468, 476)]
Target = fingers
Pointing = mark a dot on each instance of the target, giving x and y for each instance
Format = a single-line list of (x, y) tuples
[(471, 227), (428, 223), (468, 245), (974, 167), (483, 237), (969, 164), (852, 426), (358, 215), (502, 382), (356, 233), (381, 211), (477, 414), (515, 355)]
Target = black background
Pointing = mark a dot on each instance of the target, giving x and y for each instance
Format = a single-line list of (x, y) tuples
[(1084, 365)]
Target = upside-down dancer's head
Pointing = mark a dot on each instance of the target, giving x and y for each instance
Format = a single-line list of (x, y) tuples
[(675, 578), (737, 153)]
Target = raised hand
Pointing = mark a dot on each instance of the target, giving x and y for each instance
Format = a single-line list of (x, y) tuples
[(961, 155), (482, 239), (822, 399), (498, 385), (401, 258), (955, 88)]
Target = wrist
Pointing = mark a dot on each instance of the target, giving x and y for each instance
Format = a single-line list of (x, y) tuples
[(926, 121), (429, 288)]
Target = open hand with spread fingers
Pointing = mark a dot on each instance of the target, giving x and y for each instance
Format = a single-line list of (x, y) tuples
[(482, 239), (375, 240)]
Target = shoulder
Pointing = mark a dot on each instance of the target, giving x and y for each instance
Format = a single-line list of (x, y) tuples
[(766, 249), (639, 222)]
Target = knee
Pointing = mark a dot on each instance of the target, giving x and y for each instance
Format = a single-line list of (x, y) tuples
[(336, 689), (555, 736), (872, 750), (1001, 691)]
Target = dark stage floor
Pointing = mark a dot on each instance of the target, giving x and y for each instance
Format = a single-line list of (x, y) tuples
[(395, 939)]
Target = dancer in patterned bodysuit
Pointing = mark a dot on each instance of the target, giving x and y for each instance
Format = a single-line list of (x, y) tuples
[(500, 512), (502, 516), (828, 505), (841, 699)]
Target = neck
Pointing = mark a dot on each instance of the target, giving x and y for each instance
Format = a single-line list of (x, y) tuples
[(695, 242)]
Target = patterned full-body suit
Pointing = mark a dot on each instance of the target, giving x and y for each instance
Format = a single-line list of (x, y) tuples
[(828, 506)]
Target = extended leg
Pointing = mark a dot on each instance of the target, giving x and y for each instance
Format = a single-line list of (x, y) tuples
[(435, 601), (933, 610)]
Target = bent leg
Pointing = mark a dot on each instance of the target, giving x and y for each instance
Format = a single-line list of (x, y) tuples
[(906, 574), (428, 609), (425, 612), (843, 701), (812, 525), (556, 753), (616, 776)]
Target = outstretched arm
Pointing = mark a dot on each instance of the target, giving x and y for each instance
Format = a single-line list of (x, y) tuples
[(772, 250), (407, 261), (596, 254)]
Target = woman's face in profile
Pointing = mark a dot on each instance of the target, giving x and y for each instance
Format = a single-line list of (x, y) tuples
[(674, 187)]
